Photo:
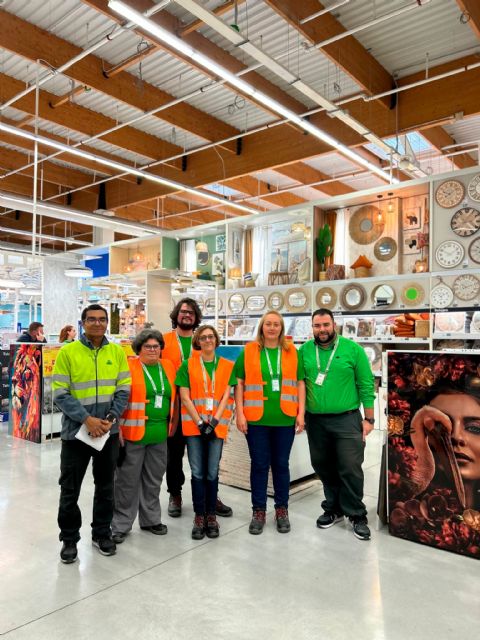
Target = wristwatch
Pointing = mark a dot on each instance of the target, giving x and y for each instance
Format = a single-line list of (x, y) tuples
[(199, 423), (370, 420), (111, 418)]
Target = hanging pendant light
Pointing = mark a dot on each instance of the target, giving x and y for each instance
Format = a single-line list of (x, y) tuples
[(78, 272)]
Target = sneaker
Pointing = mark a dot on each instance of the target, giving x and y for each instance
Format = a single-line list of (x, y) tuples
[(360, 528), (118, 538), (175, 506), (157, 529), (198, 530), (222, 509), (258, 522), (213, 530), (328, 519), (281, 518), (106, 546), (68, 554)]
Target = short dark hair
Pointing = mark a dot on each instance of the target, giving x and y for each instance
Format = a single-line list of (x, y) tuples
[(33, 326), (143, 336), (93, 307), (198, 333), (193, 305), (323, 312)]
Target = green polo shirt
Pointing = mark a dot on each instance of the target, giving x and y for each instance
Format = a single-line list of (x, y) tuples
[(156, 427), (273, 416), (186, 343), (349, 382)]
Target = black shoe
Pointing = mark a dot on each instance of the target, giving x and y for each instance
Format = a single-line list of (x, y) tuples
[(257, 522), (281, 518), (212, 529), (68, 554), (360, 528), (106, 546), (222, 509), (118, 538), (328, 519), (198, 531), (175, 506), (157, 529)]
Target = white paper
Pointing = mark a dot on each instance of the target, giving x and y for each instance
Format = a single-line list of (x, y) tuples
[(95, 443)]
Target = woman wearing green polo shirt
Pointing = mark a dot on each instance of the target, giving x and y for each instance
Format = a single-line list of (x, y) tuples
[(270, 400)]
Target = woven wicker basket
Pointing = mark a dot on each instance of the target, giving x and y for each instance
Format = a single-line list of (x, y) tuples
[(362, 272)]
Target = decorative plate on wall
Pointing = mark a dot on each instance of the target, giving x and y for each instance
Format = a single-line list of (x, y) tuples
[(385, 249), (441, 296), (449, 254), (275, 301), (364, 226), (413, 294), (474, 188), (296, 299), (326, 298), (353, 297), (450, 194)]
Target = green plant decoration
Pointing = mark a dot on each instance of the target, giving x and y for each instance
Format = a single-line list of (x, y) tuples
[(324, 245)]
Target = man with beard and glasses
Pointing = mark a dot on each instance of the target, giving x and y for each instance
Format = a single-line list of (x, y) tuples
[(338, 380), (186, 317)]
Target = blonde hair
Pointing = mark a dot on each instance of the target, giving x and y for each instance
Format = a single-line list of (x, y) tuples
[(282, 341)]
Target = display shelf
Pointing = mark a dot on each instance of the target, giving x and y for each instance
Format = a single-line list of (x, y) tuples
[(390, 340), (451, 335)]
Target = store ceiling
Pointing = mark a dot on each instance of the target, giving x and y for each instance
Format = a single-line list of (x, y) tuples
[(215, 138)]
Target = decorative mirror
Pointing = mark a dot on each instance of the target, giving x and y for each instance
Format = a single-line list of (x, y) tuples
[(366, 224), (210, 306), (383, 296), (353, 296), (385, 249), (413, 294), (256, 303), (203, 256), (296, 300), (236, 303), (275, 301), (326, 298)]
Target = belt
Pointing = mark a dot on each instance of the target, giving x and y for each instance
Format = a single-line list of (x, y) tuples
[(334, 415)]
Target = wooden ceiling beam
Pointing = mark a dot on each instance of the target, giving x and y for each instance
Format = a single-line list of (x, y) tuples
[(305, 174), (439, 138), (262, 190), (471, 11), (219, 11)]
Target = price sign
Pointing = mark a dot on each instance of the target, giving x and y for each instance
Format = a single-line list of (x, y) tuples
[(49, 355)]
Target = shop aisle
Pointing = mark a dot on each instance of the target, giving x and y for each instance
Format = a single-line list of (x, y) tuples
[(306, 584)]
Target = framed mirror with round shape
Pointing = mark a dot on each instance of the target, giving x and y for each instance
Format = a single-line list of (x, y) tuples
[(413, 294), (236, 303), (385, 249), (210, 306), (256, 303), (296, 299), (353, 297), (275, 301), (383, 296), (326, 298), (203, 255), (366, 224)]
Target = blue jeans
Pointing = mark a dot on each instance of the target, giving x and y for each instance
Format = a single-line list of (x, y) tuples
[(269, 446), (204, 458)]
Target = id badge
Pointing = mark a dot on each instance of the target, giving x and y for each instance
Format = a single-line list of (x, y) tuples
[(158, 402), (320, 379), (275, 384), (209, 404)]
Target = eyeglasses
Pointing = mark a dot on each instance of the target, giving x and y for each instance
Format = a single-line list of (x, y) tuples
[(186, 313), (96, 320), (151, 347), (210, 336)]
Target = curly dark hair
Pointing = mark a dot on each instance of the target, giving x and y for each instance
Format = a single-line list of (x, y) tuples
[(193, 306), (143, 336)]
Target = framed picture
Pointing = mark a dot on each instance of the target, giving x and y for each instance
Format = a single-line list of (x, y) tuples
[(218, 264), (236, 249), (410, 244), (220, 243), (412, 218), (279, 258), (297, 252)]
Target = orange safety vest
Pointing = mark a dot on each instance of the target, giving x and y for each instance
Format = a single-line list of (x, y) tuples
[(197, 394), (132, 422), (253, 397), (172, 352)]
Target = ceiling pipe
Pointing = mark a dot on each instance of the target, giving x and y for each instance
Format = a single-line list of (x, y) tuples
[(324, 11), (45, 236)]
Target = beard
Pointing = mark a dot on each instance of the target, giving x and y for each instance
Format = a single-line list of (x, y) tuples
[(185, 325), (324, 339)]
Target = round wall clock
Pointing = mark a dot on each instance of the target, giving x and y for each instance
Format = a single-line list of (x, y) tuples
[(465, 222), (353, 297), (441, 296), (413, 294), (473, 189), (364, 226), (326, 298), (450, 194), (449, 254), (466, 287), (474, 250)]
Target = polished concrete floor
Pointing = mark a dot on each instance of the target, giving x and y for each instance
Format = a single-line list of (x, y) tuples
[(310, 583)]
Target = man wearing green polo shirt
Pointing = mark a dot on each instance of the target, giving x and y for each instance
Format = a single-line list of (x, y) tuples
[(338, 380)]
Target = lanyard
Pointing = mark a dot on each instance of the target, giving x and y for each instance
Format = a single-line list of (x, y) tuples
[(147, 373), (329, 360), (180, 347), (205, 380), (270, 364)]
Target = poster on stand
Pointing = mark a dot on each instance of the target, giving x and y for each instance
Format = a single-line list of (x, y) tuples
[(433, 464), (26, 392)]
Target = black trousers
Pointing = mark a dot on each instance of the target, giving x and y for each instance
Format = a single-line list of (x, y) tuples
[(337, 453), (74, 459), (175, 453)]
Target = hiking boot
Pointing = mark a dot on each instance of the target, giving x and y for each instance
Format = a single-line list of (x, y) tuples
[(198, 531), (360, 528), (106, 546), (157, 529), (68, 554), (118, 538), (281, 518), (175, 506), (213, 530), (328, 519), (257, 522), (222, 509)]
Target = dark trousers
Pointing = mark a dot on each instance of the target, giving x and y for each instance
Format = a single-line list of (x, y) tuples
[(175, 452), (269, 447), (74, 459), (337, 452), (204, 458)]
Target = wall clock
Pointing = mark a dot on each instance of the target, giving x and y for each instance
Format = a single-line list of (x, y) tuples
[(326, 298), (413, 294), (353, 297), (449, 254), (474, 250), (365, 226), (473, 189), (450, 194), (441, 296), (465, 222), (466, 287)]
